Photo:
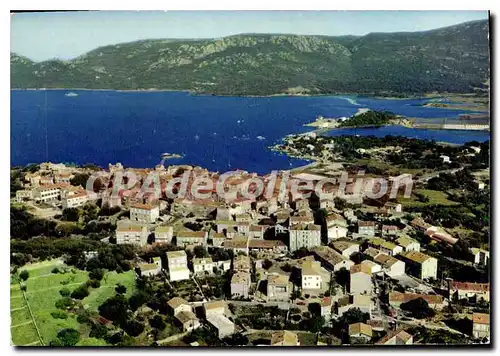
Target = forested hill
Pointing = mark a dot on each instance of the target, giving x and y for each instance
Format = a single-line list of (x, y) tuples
[(453, 59)]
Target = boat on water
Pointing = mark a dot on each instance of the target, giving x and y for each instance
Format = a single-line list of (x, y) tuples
[(71, 94), (167, 155)]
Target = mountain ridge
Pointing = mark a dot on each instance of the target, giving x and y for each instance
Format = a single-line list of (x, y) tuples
[(453, 58)]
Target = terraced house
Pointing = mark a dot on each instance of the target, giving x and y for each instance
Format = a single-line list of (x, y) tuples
[(191, 238), (144, 213), (419, 264), (132, 234), (307, 236)]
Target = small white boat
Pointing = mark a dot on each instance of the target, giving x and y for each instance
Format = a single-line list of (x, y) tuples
[(71, 94)]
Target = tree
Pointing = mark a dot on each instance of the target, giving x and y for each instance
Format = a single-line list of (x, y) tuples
[(286, 267), (68, 337), (114, 308), (59, 314), (157, 322), (133, 327), (200, 252), (80, 292), (98, 331), (94, 283), (120, 289), (70, 214), (354, 315), (342, 277), (138, 299), (295, 294), (64, 303), (267, 264), (418, 308), (24, 275), (340, 203), (236, 339), (80, 179), (97, 274)]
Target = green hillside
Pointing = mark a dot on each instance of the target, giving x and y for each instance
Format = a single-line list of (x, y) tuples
[(453, 59)]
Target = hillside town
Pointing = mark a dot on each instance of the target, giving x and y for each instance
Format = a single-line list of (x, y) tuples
[(278, 270)]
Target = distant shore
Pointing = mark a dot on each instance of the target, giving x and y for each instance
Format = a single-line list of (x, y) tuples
[(194, 92)]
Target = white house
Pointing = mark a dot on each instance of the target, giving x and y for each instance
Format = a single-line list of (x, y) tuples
[(307, 236), (188, 320), (385, 246), (223, 325), (75, 200), (371, 266), (408, 244), (22, 195), (360, 301), (164, 234), (345, 248), (481, 256), (203, 265), (191, 238), (446, 159), (178, 304), (177, 265), (336, 232), (131, 234), (144, 213), (47, 193), (390, 265), (420, 265), (327, 204), (311, 274), (240, 284), (389, 230), (366, 228), (360, 280), (481, 325), (151, 269), (215, 307), (331, 259)]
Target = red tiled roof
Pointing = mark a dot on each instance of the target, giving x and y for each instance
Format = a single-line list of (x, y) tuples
[(389, 227), (143, 206), (199, 234), (406, 297), (478, 287), (366, 223), (479, 318), (257, 243)]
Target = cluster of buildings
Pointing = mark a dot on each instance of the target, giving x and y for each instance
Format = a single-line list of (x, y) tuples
[(51, 184), (282, 250)]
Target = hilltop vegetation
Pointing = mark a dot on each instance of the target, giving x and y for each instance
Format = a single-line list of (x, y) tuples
[(453, 59), (369, 118)]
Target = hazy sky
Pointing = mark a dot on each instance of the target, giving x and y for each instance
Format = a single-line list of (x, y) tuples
[(65, 35)]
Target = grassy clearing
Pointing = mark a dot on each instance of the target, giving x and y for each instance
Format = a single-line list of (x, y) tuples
[(42, 292), (42, 268), (91, 341), (107, 289), (435, 198), (389, 169), (24, 335), (23, 330)]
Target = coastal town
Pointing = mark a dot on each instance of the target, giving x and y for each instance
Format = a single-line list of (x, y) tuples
[(286, 179), (284, 268)]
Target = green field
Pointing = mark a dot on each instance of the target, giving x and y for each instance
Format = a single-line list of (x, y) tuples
[(107, 289), (23, 330), (435, 198), (43, 291)]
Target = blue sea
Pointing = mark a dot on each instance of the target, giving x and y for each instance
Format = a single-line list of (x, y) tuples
[(219, 133)]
